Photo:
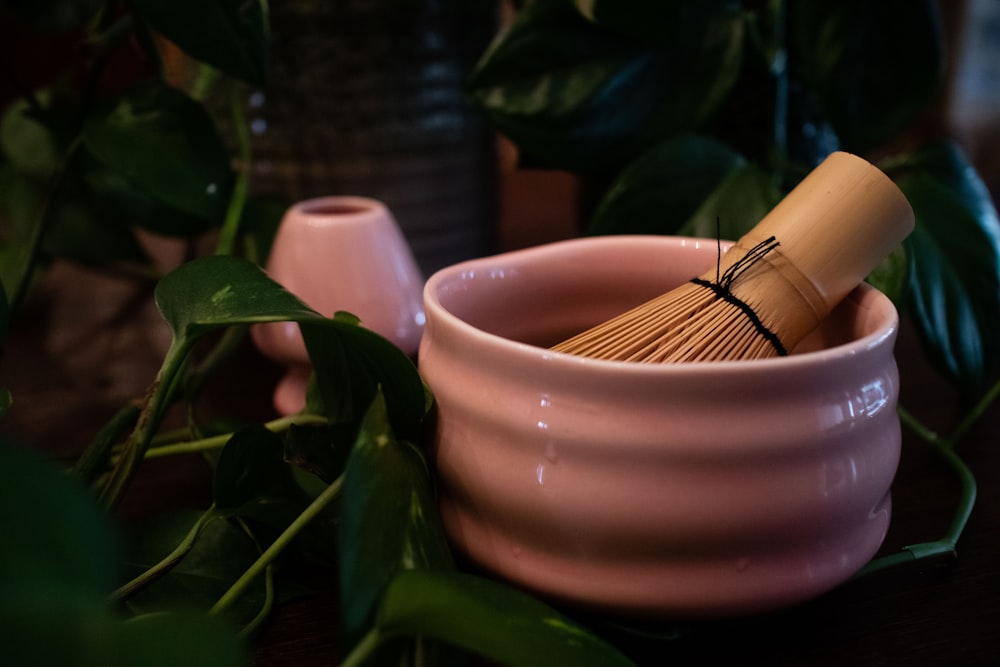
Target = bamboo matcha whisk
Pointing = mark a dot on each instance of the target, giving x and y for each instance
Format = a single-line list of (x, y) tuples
[(776, 284)]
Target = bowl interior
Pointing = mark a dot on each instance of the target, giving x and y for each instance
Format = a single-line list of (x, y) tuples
[(543, 295)]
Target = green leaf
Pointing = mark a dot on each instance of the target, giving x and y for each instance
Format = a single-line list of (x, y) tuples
[(212, 292), (231, 35), (873, 65), (350, 362), (490, 619), (192, 639), (321, 449), (29, 144), (55, 577), (739, 202), (390, 520), (165, 143), (892, 276), (660, 22), (100, 638), (84, 228), (574, 96), (955, 253), (59, 547), (137, 207), (252, 479), (218, 557), (53, 15), (664, 187)]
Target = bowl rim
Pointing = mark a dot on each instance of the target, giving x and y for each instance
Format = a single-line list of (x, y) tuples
[(864, 296)]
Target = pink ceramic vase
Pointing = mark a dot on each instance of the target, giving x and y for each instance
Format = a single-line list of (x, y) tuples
[(341, 253)]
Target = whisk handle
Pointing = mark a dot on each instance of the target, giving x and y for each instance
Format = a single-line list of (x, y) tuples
[(837, 225)]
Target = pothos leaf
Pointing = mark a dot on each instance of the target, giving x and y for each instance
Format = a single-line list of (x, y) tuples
[(872, 65), (218, 557), (54, 15), (212, 292), (252, 479), (664, 187), (736, 205), (29, 144), (56, 576), (572, 95), (320, 449), (690, 185), (390, 522), (232, 35), (892, 275), (490, 619), (100, 638), (955, 253), (165, 143), (351, 361), (62, 549), (662, 21)]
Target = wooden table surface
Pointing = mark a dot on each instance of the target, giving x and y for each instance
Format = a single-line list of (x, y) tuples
[(78, 352)]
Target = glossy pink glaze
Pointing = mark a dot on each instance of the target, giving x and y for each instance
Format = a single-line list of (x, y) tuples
[(341, 253), (686, 490)]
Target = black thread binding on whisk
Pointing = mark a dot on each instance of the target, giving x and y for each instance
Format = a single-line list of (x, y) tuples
[(724, 282)]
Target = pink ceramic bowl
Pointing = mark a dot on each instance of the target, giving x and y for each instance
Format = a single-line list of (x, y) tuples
[(687, 490)]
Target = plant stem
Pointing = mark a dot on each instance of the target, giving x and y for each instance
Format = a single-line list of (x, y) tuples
[(363, 649), (169, 561), (218, 441), (265, 608), (231, 224), (153, 409), (967, 499), (975, 413), (279, 544), (927, 435), (30, 252), (100, 448), (944, 447)]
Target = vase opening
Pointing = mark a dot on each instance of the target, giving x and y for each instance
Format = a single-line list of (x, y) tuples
[(336, 209)]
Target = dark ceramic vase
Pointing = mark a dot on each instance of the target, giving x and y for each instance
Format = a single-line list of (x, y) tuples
[(366, 97)]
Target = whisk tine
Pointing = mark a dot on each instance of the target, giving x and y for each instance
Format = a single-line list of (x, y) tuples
[(775, 284)]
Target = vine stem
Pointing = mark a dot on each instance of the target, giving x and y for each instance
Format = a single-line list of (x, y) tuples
[(268, 604), (975, 413), (363, 649), (219, 441), (946, 546), (154, 406), (168, 561), (17, 291), (231, 224), (279, 544)]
